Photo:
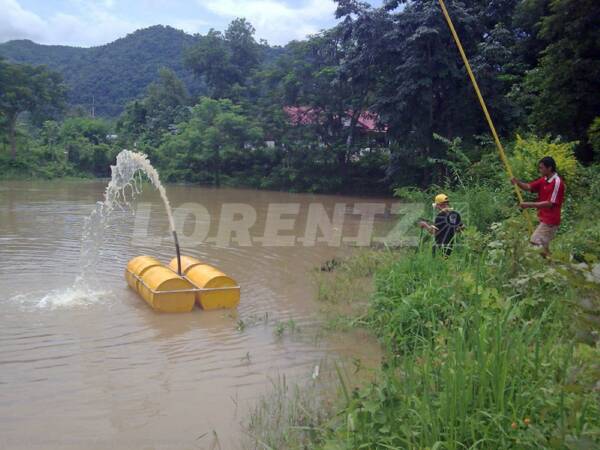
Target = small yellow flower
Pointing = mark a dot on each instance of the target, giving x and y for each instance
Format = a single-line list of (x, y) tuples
[(527, 421), (514, 425)]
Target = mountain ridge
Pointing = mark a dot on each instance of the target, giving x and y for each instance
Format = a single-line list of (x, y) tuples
[(111, 74)]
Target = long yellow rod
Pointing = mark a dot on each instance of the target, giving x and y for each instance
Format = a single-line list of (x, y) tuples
[(484, 108)]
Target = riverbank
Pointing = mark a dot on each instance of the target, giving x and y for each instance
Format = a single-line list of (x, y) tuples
[(494, 347), (10, 171)]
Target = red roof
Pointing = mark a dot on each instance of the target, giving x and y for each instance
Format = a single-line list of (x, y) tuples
[(368, 121), (301, 115), (306, 115)]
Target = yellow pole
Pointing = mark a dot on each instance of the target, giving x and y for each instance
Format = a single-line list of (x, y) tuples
[(484, 108)]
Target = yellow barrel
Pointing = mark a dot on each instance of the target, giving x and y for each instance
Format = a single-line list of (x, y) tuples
[(160, 278), (186, 263), (157, 278), (207, 277), (138, 266)]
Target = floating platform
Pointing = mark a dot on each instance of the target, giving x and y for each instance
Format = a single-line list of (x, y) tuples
[(167, 291)]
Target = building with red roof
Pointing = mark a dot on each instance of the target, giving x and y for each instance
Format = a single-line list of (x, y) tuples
[(306, 115)]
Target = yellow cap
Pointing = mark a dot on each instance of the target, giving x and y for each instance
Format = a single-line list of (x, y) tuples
[(441, 198)]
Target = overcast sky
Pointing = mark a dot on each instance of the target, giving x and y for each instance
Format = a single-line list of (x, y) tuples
[(87, 22)]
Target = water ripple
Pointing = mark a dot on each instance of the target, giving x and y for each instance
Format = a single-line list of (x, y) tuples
[(95, 352)]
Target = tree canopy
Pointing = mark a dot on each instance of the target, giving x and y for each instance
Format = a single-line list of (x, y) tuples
[(367, 105), (34, 90)]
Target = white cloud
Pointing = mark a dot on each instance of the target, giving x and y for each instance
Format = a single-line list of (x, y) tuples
[(16, 21), (275, 20), (96, 22), (94, 25), (92, 30)]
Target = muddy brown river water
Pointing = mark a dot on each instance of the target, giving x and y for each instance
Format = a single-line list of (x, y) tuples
[(94, 367)]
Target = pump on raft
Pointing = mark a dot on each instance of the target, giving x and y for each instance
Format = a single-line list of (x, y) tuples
[(181, 284)]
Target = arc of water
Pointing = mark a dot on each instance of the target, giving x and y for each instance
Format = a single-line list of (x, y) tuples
[(124, 174)]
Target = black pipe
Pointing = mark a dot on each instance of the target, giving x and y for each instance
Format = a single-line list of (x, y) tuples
[(178, 252)]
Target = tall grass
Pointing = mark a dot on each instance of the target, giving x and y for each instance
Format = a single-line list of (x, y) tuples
[(288, 416), (491, 386), (481, 353), (346, 290)]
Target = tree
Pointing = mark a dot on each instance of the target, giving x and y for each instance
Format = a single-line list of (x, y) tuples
[(225, 60), (245, 51), (30, 89), (594, 135), (211, 59), (86, 144), (564, 87), (50, 134), (328, 77), (525, 25), (421, 87), (417, 82), (132, 122), (214, 139), (165, 103)]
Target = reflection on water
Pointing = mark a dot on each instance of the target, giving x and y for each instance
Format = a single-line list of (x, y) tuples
[(94, 367)]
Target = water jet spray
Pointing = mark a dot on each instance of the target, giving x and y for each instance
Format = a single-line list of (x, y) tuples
[(169, 288)]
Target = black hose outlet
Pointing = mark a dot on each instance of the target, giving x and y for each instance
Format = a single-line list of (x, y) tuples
[(178, 252)]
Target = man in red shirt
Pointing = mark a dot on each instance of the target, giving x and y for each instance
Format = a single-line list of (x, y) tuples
[(550, 189)]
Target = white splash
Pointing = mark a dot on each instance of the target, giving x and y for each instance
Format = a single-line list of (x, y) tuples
[(77, 295)]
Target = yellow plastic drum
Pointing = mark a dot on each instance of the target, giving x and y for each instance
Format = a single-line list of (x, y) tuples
[(221, 290), (186, 263), (138, 266), (160, 285), (160, 278)]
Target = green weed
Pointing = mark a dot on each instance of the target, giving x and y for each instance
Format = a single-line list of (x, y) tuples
[(481, 353)]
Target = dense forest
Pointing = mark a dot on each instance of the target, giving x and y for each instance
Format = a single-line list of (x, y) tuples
[(381, 100)]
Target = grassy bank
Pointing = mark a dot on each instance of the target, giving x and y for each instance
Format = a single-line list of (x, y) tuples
[(493, 347), (489, 349)]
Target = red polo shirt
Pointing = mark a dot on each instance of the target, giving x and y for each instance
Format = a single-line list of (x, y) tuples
[(549, 190)]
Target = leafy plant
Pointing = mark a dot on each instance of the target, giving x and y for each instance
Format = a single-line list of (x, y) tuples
[(456, 161), (530, 149), (594, 135), (475, 358)]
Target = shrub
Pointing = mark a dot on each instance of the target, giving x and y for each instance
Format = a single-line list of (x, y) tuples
[(410, 194), (479, 355), (489, 170), (529, 150), (594, 135), (481, 205)]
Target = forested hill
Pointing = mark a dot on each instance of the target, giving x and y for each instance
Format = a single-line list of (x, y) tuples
[(111, 74)]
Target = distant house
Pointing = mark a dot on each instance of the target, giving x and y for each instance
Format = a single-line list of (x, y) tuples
[(371, 135), (301, 115), (368, 122)]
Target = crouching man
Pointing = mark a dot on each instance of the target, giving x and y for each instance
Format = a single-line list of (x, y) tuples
[(550, 189)]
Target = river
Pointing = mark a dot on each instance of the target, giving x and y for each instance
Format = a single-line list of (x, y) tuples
[(100, 369)]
